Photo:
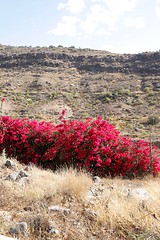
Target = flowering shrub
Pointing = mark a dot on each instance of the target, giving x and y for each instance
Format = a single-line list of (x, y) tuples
[(83, 143), (1, 134), (27, 140), (98, 146), (91, 144), (1, 125), (1, 140)]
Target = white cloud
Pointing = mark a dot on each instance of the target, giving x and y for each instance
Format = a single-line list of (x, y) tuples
[(138, 22), (102, 32), (100, 17), (109, 11), (104, 15), (157, 9), (88, 27), (67, 26), (97, 21), (117, 7), (73, 6), (61, 6)]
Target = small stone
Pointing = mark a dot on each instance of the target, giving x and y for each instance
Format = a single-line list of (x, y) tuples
[(59, 209), (91, 194), (13, 230), (54, 231), (140, 193), (23, 174), (12, 176), (7, 218), (5, 215), (55, 208), (9, 164), (20, 228), (92, 191), (96, 179), (22, 181)]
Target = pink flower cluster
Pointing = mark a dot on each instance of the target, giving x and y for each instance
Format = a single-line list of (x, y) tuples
[(26, 140), (93, 144), (3, 99)]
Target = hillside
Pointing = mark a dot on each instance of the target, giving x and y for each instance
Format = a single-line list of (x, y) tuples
[(123, 88)]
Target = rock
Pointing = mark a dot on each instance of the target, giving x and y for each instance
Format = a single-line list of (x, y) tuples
[(156, 85), (23, 174), (6, 238), (59, 209), (55, 208), (5, 215), (12, 176), (13, 230), (20, 228), (22, 181), (139, 193), (96, 179), (54, 231), (20, 176), (91, 192), (9, 164)]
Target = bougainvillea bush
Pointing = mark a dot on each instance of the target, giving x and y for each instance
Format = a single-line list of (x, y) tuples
[(93, 144), (27, 140), (1, 140), (97, 146), (1, 125)]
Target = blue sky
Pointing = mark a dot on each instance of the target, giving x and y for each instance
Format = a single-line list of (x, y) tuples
[(121, 26)]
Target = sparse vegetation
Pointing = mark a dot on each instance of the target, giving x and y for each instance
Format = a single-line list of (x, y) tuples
[(37, 83), (104, 212), (153, 120)]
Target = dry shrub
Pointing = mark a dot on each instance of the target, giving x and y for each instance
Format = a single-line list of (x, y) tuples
[(128, 216), (73, 184), (44, 185), (111, 213)]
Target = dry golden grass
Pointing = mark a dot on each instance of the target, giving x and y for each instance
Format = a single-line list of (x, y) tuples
[(73, 184), (131, 215), (94, 210)]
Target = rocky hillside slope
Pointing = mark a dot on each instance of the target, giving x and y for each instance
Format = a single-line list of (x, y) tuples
[(123, 88)]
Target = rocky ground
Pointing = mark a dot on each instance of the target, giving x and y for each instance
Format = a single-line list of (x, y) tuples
[(125, 89), (39, 204)]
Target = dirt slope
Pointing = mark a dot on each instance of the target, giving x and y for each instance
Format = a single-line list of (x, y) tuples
[(125, 89)]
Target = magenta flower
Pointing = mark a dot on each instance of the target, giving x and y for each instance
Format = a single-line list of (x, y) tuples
[(3, 99)]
